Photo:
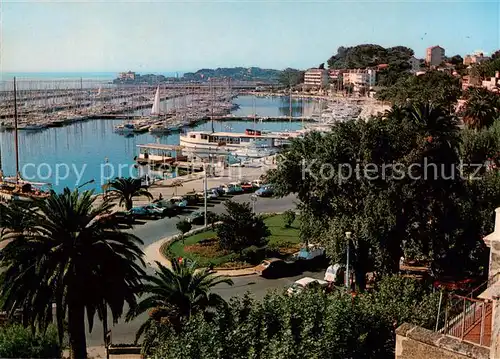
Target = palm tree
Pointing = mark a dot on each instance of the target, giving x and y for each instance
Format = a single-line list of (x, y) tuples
[(177, 293), (66, 255), (481, 109), (125, 189)]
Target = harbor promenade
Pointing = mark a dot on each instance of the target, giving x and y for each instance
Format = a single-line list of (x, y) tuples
[(194, 182)]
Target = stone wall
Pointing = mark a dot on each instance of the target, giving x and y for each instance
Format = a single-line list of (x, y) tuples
[(414, 342)]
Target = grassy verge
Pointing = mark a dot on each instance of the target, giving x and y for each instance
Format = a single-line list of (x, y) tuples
[(203, 249)]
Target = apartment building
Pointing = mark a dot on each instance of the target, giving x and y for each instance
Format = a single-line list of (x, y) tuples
[(475, 58), (315, 78), (492, 83), (434, 55), (360, 78), (126, 75)]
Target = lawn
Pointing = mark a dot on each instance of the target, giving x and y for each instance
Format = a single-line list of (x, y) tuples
[(203, 248)]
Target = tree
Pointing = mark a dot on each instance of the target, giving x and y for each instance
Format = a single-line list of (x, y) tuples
[(125, 189), (288, 218), (183, 226), (436, 87), (212, 218), (367, 55), (321, 66), (392, 181), (68, 256), (177, 293), (241, 228), (482, 107), (291, 77)]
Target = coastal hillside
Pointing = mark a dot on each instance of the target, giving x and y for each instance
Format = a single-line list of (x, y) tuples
[(366, 55), (235, 73)]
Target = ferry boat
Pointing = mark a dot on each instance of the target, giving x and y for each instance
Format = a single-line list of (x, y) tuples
[(223, 143)]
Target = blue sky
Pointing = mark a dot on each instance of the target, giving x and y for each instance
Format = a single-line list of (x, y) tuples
[(182, 36)]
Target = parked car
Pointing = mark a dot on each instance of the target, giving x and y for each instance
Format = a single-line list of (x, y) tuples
[(274, 267), (118, 218), (141, 212), (236, 186), (197, 217), (265, 191), (229, 189), (247, 187), (219, 190), (305, 283), (310, 252), (179, 201), (210, 194), (192, 199), (258, 183), (155, 209)]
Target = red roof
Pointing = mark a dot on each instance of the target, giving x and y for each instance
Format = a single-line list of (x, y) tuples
[(383, 66)]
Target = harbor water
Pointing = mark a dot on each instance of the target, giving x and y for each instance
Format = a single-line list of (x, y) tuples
[(72, 155)]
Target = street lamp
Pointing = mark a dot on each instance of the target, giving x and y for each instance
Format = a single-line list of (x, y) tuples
[(86, 183), (253, 198), (348, 274)]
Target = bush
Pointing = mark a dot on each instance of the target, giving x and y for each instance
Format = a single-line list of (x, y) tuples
[(288, 218), (19, 342), (253, 254), (310, 325)]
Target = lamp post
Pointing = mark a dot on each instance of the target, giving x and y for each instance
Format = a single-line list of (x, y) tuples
[(253, 198), (348, 272), (205, 193), (86, 183)]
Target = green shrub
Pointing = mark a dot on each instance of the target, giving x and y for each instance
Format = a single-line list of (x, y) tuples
[(288, 218), (19, 342), (253, 254)]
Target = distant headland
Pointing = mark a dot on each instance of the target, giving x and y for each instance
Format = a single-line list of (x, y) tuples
[(256, 74)]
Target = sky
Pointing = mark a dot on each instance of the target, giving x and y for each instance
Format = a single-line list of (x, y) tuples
[(169, 36)]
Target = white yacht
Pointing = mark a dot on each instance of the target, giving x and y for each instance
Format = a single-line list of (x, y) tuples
[(254, 150), (224, 143)]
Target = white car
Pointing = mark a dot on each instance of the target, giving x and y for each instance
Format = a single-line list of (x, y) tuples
[(303, 283)]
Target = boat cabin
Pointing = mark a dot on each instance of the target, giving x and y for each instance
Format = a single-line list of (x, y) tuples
[(159, 154)]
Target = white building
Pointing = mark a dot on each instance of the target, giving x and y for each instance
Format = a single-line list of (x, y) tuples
[(316, 78), (414, 64), (360, 78), (475, 58)]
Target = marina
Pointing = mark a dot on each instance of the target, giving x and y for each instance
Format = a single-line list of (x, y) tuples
[(92, 149)]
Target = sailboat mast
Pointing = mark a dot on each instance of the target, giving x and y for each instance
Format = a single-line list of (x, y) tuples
[(16, 138)]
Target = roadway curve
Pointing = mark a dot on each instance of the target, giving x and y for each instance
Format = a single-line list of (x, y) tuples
[(153, 231)]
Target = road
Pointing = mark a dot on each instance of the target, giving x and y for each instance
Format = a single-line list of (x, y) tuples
[(153, 231)]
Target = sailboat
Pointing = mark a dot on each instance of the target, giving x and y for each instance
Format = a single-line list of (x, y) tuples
[(155, 110), (15, 188)]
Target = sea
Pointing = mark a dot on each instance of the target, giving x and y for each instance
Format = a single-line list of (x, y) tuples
[(64, 80), (91, 151)]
